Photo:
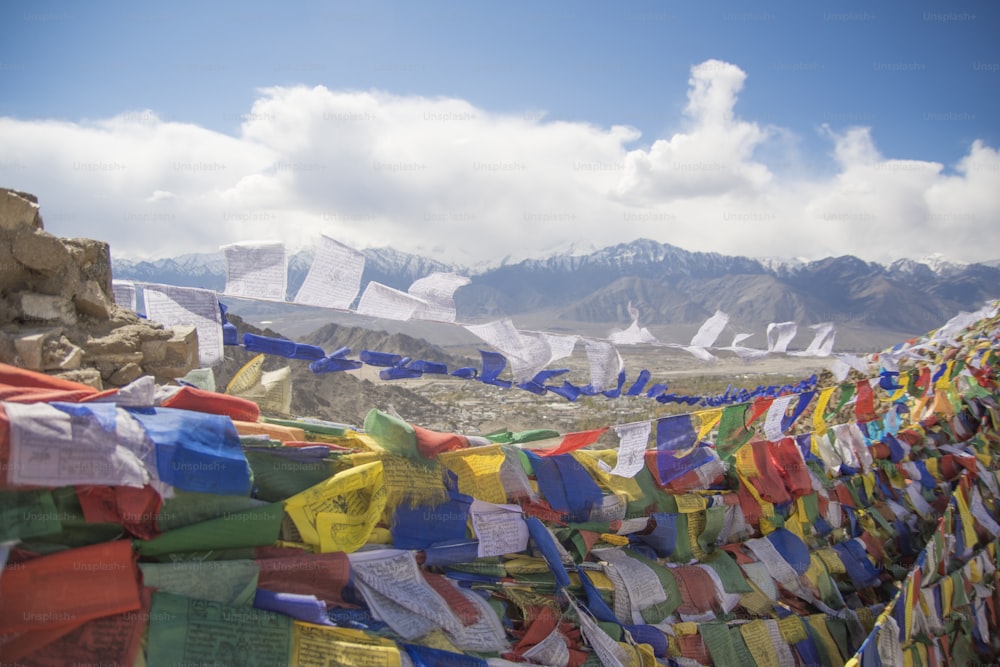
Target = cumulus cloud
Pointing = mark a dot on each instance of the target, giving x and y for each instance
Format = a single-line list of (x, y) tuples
[(442, 177)]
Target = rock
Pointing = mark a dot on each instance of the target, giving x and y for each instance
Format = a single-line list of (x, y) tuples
[(180, 354), (91, 301), (8, 353), (47, 308), (39, 250), (62, 355), (18, 210), (154, 351), (87, 376), (29, 351), (93, 259), (125, 374)]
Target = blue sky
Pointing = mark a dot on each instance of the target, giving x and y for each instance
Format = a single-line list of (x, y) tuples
[(824, 128)]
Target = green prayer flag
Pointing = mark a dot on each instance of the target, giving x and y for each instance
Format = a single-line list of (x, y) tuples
[(278, 478), (719, 642), (25, 514), (251, 528), (232, 582), (715, 521), (733, 432), (190, 507), (394, 435), (188, 631)]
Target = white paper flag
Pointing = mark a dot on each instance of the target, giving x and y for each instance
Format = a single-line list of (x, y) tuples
[(779, 335), (527, 353), (710, 330), (379, 300), (176, 306), (124, 293), (437, 291), (632, 450), (822, 342), (256, 270), (334, 277), (605, 364)]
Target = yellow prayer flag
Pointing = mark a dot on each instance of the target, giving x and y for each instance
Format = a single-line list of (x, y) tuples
[(758, 641), (339, 514), (708, 419), (819, 421), (623, 487), (689, 502), (968, 529), (792, 630), (320, 645), (478, 472)]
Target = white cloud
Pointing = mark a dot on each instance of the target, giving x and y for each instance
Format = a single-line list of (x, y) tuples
[(439, 176)]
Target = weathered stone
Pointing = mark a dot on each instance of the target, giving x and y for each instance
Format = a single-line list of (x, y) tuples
[(93, 259), (180, 355), (125, 374), (116, 343), (39, 250), (63, 355), (154, 351), (87, 376), (29, 351), (113, 360), (18, 209), (73, 360), (91, 301), (47, 308), (8, 353)]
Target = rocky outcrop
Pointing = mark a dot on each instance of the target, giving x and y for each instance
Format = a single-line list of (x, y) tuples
[(57, 310)]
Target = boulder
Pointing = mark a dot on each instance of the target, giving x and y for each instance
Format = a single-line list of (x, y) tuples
[(47, 308), (18, 210), (39, 250)]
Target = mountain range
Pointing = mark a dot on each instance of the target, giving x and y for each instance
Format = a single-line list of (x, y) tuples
[(669, 286)]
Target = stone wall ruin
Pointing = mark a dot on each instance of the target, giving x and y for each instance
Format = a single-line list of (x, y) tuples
[(57, 311)]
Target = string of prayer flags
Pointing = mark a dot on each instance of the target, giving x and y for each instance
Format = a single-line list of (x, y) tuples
[(735, 539)]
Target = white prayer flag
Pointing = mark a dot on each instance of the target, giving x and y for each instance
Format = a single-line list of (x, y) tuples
[(561, 345), (775, 415), (710, 330), (176, 306), (605, 364), (822, 342), (528, 353), (382, 301), (256, 270), (632, 448), (779, 335), (124, 293), (500, 529), (437, 291), (745, 353), (334, 277), (634, 335)]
